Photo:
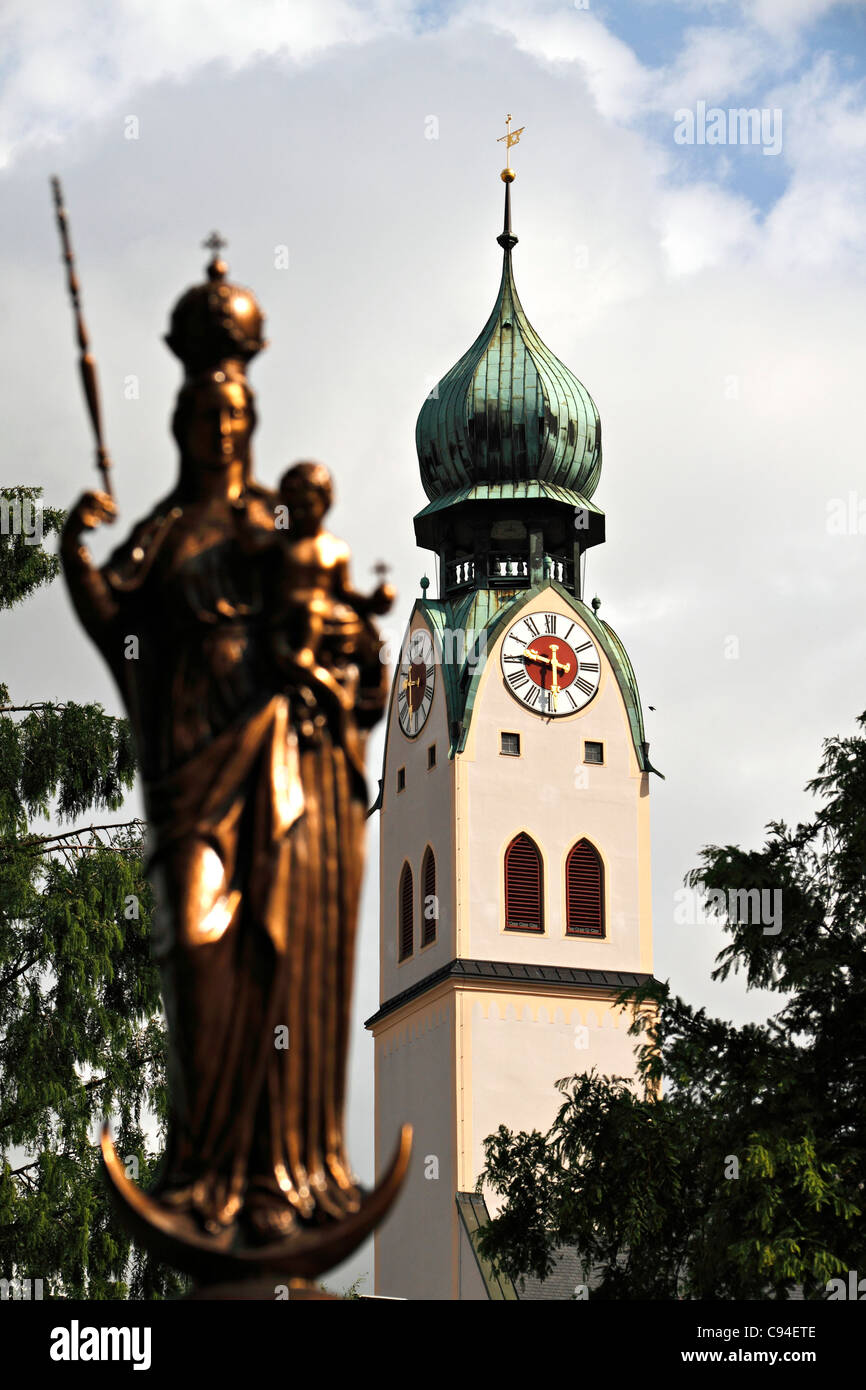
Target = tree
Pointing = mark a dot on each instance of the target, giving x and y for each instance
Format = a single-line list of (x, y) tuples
[(736, 1168), (81, 1034)]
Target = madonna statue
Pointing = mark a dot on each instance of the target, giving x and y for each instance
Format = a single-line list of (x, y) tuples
[(251, 672)]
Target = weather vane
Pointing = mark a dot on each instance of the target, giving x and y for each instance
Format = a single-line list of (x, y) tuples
[(510, 137)]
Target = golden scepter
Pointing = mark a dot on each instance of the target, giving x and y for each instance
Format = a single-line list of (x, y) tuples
[(85, 362)]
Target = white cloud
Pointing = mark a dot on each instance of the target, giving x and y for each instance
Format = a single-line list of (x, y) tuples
[(783, 17), (71, 62), (819, 218), (712, 64), (702, 226), (558, 33)]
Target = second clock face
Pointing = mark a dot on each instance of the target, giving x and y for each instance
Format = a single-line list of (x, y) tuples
[(415, 683), (550, 664)]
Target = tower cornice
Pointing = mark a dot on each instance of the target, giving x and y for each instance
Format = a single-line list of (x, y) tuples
[(515, 977)]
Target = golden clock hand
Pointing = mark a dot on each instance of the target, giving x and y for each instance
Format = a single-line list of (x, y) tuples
[(564, 666), (554, 680), (556, 666), (546, 661), (409, 685)]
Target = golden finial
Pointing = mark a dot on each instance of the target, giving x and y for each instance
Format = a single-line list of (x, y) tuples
[(510, 137)]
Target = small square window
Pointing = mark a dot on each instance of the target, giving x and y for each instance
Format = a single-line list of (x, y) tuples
[(593, 752), (401, 779), (509, 745), (431, 755)]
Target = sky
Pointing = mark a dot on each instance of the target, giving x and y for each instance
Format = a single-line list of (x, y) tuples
[(710, 296)]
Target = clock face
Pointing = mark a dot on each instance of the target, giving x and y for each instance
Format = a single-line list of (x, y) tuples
[(550, 664), (416, 681)]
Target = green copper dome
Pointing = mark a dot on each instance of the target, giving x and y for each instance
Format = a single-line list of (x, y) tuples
[(508, 411)]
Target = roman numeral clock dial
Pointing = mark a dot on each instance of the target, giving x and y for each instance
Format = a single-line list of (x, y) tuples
[(550, 664), (415, 683)]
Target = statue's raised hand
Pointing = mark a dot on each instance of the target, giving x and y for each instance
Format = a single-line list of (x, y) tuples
[(90, 511)]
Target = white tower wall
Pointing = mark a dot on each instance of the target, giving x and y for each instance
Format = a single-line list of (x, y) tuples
[(457, 1058)]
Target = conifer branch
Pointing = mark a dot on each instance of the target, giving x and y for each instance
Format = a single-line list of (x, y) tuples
[(15, 1117), (28, 709), (12, 976), (40, 843)]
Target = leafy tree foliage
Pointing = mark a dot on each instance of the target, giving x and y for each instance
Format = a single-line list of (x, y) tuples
[(81, 1035), (736, 1168), (24, 563)]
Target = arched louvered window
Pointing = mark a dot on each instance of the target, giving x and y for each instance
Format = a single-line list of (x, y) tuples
[(523, 886), (584, 891), (429, 900), (407, 913)]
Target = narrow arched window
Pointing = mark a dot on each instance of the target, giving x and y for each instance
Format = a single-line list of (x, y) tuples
[(523, 886), (430, 900), (584, 891), (407, 913)]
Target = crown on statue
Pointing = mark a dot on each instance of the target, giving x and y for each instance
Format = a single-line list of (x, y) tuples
[(216, 323)]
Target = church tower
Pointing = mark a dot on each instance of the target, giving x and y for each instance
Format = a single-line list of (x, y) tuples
[(514, 807)]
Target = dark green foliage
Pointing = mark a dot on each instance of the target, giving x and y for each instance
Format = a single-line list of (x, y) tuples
[(739, 1169), (72, 757), (25, 566), (350, 1294), (81, 1034)]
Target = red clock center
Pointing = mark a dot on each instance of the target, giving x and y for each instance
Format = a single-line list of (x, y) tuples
[(416, 684), (550, 663)]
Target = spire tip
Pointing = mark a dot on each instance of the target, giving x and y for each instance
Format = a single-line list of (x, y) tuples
[(511, 137)]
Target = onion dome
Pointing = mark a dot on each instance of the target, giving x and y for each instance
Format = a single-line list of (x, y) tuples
[(509, 411)]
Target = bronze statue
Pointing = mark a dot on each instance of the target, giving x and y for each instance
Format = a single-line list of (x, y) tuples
[(251, 672)]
